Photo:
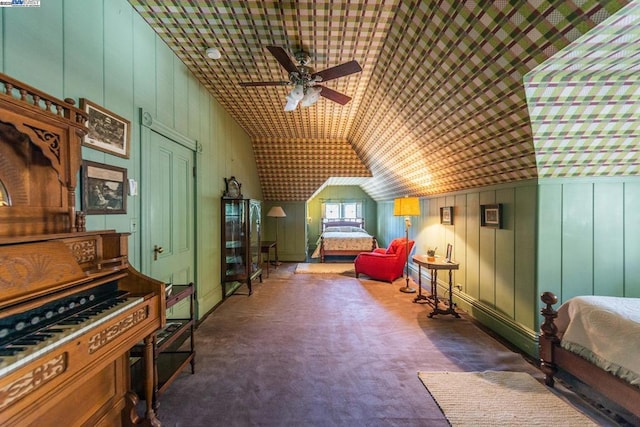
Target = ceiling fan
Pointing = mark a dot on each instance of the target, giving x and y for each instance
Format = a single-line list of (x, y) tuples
[(304, 80)]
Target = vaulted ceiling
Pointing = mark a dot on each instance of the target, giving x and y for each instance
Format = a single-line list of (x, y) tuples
[(439, 105)]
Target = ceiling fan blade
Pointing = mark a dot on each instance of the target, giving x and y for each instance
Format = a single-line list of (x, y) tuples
[(248, 84), (283, 58), (334, 96), (339, 71)]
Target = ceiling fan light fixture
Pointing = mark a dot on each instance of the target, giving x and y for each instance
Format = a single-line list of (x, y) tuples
[(213, 53), (297, 92), (311, 97), (294, 97), (304, 79)]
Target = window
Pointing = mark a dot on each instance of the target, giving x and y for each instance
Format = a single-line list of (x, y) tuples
[(342, 210), (332, 210), (350, 210)]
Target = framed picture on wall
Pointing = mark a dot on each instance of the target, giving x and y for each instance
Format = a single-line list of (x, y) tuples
[(108, 132), (491, 216), (446, 215), (103, 189)]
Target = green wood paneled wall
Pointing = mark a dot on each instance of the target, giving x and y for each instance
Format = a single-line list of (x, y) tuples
[(103, 50), (497, 266), (292, 245), (589, 234)]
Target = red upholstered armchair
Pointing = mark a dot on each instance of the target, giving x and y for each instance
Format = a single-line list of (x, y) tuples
[(384, 264)]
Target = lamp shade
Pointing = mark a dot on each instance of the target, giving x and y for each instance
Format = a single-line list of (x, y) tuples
[(406, 206), (277, 212)]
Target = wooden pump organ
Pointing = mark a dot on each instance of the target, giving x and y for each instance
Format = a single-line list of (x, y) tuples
[(71, 306)]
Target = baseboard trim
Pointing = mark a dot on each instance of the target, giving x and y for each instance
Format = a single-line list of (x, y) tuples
[(518, 335)]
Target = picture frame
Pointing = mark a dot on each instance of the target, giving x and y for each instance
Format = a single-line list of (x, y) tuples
[(491, 216), (449, 252), (446, 215), (103, 189), (108, 132)]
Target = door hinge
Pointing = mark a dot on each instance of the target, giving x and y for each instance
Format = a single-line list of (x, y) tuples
[(194, 172)]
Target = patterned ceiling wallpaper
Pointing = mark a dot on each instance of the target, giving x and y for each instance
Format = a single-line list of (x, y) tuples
[(439, 106), (585, 103)]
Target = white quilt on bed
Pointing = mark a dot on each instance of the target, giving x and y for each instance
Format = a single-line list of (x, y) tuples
[(605, 331), (344, 241)]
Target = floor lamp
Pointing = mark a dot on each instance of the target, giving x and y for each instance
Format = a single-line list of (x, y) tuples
[(276, 212), (406, 207)]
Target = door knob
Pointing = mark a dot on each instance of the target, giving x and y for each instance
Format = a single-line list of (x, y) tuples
[(157, 250)]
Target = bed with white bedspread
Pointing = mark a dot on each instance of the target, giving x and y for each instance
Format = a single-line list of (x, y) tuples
[(345, 238), (597, 340)]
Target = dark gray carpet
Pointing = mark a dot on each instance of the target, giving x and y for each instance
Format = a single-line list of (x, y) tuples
[(325, 350)]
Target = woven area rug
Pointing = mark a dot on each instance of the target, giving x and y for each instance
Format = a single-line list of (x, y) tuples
[(324, 268), (498, 398)]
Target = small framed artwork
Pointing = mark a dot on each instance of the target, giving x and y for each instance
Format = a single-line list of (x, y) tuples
[(446, 215), (108, 132), (449, 252), (103, 189), (491, 216)]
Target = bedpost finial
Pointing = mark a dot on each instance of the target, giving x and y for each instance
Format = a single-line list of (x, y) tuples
[(549, 298)]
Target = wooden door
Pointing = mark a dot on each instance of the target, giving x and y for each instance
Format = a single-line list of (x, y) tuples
[(168, 244)]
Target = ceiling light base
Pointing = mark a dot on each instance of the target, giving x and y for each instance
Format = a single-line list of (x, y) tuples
[(213, 53), (302, 57)]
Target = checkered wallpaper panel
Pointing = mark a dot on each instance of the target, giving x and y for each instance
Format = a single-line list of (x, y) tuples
[(440, 104), (314, 160), (585, 103)]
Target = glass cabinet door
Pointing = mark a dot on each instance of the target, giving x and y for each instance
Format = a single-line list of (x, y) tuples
[(255, 238), (235, 249), (241, 254)]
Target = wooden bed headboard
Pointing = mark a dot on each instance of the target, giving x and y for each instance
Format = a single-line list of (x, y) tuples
[(342, 222)]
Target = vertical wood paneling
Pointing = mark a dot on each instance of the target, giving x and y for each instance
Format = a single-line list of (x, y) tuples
[(181, 96), (84, 52), (632, 239), (144, 59), (449, 230), (495, 271), (525, 256), (608, 239), (164, 84), (437, 238), (487, 255), (193, 116), (118, 49), (422, 227), (473, 245), (459, 239), (34, 46), (591, 245), (118, 93), (549, 265), (505, 253), (577, 240)]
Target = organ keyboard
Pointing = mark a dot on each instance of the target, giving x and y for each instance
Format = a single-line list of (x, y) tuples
[(71, 305), (64, 354), (33, 334)]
